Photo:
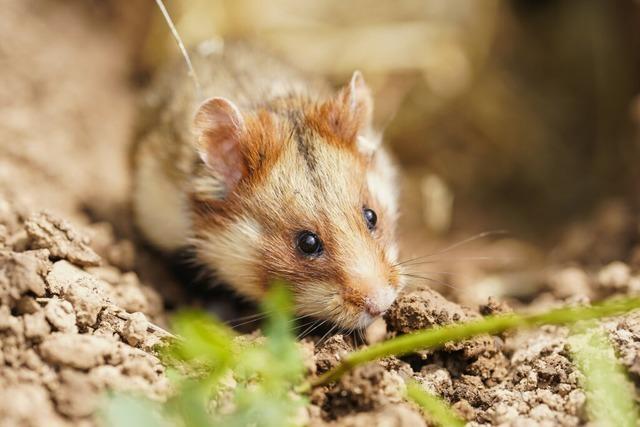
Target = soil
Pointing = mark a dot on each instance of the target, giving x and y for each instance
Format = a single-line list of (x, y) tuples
[(83, 303), (70, 328)]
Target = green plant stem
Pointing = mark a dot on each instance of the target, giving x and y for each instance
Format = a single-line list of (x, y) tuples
[(610, 401), (435, 408), (437, 337)]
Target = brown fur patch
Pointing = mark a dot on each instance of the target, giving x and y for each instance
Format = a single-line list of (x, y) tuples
[(354, 295), (262, 143), (339, 120)]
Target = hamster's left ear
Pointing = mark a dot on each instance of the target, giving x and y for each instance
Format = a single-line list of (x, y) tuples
[(351, 112), (359, 100)]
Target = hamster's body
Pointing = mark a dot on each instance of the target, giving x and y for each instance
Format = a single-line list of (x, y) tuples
[(275, 177)]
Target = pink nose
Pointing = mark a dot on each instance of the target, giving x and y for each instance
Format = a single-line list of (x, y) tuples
[(379, 301), (374, 310)]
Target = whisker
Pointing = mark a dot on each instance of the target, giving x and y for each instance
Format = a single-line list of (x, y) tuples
[(458, 244), (327, 317), (297, 318), (311, 329), (328, 333), (251, 316), (439, 282), (303, 333), (470, 258), (255, 319), (305, 324), (446, 273)]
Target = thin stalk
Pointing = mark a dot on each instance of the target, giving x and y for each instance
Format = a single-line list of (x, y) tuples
[(433, 407), (437, 337)]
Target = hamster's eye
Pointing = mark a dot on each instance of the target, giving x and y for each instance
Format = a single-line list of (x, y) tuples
[(370, 217), (309, 243)]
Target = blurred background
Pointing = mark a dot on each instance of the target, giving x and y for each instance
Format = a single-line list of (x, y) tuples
[(516, 114)]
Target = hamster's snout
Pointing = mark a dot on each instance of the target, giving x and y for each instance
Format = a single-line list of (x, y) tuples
[(379, 301)]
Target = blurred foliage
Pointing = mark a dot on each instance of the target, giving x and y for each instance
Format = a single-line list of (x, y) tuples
[(610, 400), (221, 379), (123, 410)]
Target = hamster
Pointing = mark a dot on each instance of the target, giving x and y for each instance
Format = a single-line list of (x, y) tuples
[(273, 176)]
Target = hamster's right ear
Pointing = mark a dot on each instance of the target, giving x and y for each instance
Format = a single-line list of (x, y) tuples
[(219, 128)]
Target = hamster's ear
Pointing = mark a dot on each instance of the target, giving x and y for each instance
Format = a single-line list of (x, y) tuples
[(358, 97), (219, 128), (352, 110)]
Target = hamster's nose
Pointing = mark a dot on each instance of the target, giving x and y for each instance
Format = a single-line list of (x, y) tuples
[(379, 301), (373, 309)]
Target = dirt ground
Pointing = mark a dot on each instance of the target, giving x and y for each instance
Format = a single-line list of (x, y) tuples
[(82, 302)]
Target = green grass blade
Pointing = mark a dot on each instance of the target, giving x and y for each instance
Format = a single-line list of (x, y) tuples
[(437, 337), (437, 410), (609, 392)]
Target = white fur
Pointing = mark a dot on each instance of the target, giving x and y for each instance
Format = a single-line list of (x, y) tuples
[(363, 320), (381, 180), (234, 251), (367, 145), (392, 253), (363, 266), (381, 298), (160, 207)]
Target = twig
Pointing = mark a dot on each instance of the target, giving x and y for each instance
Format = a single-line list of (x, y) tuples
[(183, 50)]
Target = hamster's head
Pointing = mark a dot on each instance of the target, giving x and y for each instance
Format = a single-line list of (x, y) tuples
[(299, 190)]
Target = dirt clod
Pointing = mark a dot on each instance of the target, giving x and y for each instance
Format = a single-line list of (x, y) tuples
[(64, 341), (366, 388), (570, 282), (421, 310), (60, 238), (135, 329), (74, 350), (495, 307), (21, 272), (331, 352), (61, 315)]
